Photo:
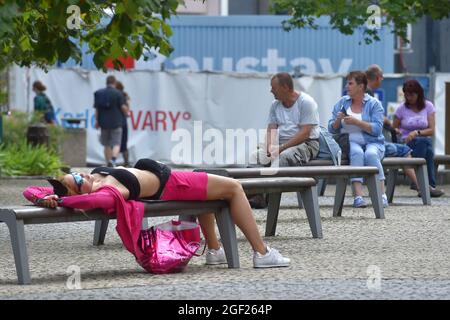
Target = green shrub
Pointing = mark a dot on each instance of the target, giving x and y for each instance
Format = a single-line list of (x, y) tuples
[(24, 159), (15, 126), (17, 158)]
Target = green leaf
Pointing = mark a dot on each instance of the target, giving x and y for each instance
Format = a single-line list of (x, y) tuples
[(24, 43)]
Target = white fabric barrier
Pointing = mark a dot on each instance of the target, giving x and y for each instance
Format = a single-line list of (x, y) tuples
[(439, 103), (181, 118)]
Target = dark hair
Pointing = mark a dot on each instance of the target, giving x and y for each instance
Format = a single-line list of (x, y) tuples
[(60, 187), (359, 76), (285, 78), (413, 86), (39, 86), (110, 80), (119, 86)]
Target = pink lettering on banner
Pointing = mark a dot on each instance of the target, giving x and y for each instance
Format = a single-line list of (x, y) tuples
[(148, 121), (174, 121), (157, 120), (134, 123), (161, 118)]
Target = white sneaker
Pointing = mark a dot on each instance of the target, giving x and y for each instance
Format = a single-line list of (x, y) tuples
[(215, 256), (270, 260), (385, 200)]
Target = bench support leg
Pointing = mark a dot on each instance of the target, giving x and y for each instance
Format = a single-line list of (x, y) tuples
[(272, 213), (300, 200), (19, 248), (321, 186), (228, 235), (311, 203), (341, 186), (373, 184), (424, 186), (101, 226), (390, 184)]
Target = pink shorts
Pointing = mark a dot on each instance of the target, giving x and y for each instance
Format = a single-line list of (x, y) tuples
[(186, 185)]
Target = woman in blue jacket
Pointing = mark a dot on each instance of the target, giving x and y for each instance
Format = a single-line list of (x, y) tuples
[(361, 116)]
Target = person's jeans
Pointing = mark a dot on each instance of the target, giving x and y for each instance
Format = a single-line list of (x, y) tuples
[(422, 147), (368, 155)]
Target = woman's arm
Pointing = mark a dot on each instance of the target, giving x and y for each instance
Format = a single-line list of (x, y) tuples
[(396, 122), (101, 199), (429, 132), (334, 124), (44, 196), (38, 195), (375, 125)]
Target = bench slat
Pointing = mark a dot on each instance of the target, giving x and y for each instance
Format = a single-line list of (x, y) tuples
[(34, 214), (316, 171), (441, 159), (275, 182), (387, 162)]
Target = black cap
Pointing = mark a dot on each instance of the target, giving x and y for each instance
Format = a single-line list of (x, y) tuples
[(58, 188)]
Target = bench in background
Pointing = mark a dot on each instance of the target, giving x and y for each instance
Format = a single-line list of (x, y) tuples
[(342, 174), (275, 186), (392, 165)]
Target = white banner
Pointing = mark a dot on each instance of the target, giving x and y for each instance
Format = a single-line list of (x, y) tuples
[(181, 118), (439, 103)]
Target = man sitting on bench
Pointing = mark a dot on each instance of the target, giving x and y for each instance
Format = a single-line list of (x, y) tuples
[(292, 137), (115, 189)]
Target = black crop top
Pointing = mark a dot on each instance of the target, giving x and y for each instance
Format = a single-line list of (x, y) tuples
[(130, 181)]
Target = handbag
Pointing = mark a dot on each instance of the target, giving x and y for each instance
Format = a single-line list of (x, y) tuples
[(168, 247), (343, 141)]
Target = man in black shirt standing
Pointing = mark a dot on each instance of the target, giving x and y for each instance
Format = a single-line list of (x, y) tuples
[(109, 106)]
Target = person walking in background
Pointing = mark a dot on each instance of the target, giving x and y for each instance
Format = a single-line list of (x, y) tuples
[(42, 103), (415, 119), (126, 114), (361, 116), (109, 104)]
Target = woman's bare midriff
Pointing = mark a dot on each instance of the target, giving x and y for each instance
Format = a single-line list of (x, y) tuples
[(149, 182)]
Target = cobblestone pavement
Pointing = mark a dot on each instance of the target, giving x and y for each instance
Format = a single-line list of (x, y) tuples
[(409, 250)]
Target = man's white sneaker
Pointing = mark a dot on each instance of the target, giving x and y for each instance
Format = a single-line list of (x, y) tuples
[(215, 256), (271, 259)]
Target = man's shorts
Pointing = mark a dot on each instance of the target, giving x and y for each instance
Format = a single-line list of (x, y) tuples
[(396, 150), (111, 137)]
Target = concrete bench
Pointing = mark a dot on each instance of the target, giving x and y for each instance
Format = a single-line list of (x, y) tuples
[(17, 217), (441, 159), (275, 186), (392, 165), (342, 173)]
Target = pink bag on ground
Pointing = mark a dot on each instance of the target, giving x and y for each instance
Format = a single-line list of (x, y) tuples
[(169, 246)]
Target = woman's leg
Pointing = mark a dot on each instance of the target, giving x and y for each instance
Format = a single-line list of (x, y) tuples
[(411, 174), (422, 147), (208, 224), (372, 157), (357, 159), (231, 190)]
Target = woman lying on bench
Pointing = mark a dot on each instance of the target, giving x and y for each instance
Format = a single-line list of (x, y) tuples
[(106, 187)]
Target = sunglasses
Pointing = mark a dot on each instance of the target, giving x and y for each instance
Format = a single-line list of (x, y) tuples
[(78, 180)]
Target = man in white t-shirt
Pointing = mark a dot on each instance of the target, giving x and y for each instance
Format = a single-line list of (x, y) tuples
[(292, 137), (294, 121)]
